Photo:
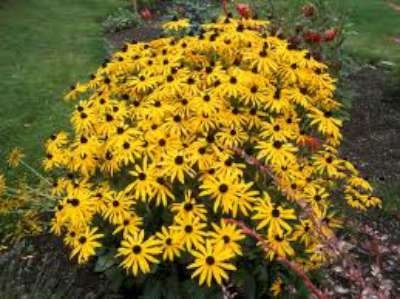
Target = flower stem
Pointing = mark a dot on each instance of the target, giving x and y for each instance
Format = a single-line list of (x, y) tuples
[(34, 171)]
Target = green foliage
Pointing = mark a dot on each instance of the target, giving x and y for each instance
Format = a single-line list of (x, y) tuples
[(122, 18)]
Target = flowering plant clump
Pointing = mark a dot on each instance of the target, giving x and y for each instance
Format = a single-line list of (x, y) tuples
[(179, 141), (22, 206)]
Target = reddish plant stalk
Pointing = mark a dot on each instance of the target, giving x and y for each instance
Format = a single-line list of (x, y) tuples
[(224, 7), (330, 241), (290, 264)]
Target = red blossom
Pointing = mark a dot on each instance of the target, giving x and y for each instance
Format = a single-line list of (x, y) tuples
[(330, 34), (146, 14), (312, 36), (244, 10), (308, 10)]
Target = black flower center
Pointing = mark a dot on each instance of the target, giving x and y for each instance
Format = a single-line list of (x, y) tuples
[(188, 229), (226, 239), (115, 203), (142, 176), (210, 260), (136, 249), (109, 117), (178, 160), (74, 202), (82, 240), (276, 213), (188, 206), (277, 144), (223, 188)]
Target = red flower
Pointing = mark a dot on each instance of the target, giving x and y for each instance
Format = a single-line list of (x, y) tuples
[(146, 14), (244, 10), (308, 10), (330, 34), (312, 36)]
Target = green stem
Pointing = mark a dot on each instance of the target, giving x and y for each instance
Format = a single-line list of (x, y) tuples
[(35, 172)]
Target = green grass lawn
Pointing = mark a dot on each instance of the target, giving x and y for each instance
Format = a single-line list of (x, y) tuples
[(45, 47), (376, 24)]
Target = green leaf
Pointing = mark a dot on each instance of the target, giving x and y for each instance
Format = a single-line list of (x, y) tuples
[(116, 276), (246, 283), (174, 288), (104, 262), (193, 290), (153, 289)]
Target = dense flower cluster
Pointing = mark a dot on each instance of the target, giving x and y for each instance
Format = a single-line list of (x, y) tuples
[(159, 127)]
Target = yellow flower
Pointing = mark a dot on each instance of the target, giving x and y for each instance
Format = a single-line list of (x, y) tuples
[(129, 226), (273, 216), (139, 253), (118, 207), (280, 246), (190, 230), (211, 263), (2, 183), (176, 25), (86, 244), (15, 157), (228, 235), (189, 208), (170, 242), (277, 287)]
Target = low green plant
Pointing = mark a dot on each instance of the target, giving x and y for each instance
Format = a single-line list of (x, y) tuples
[(122, 18)]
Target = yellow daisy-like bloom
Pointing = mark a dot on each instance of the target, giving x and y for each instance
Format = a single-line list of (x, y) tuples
[(280, 246), (129, 226), (190, 230), (2, 183), (15, 157), (86, 244), (176, 25), (273, 216), (189, 208), (171, 243), (277, 287), (139, 253), (118, 207), (211, 263), (302, 232), (228, 235)]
